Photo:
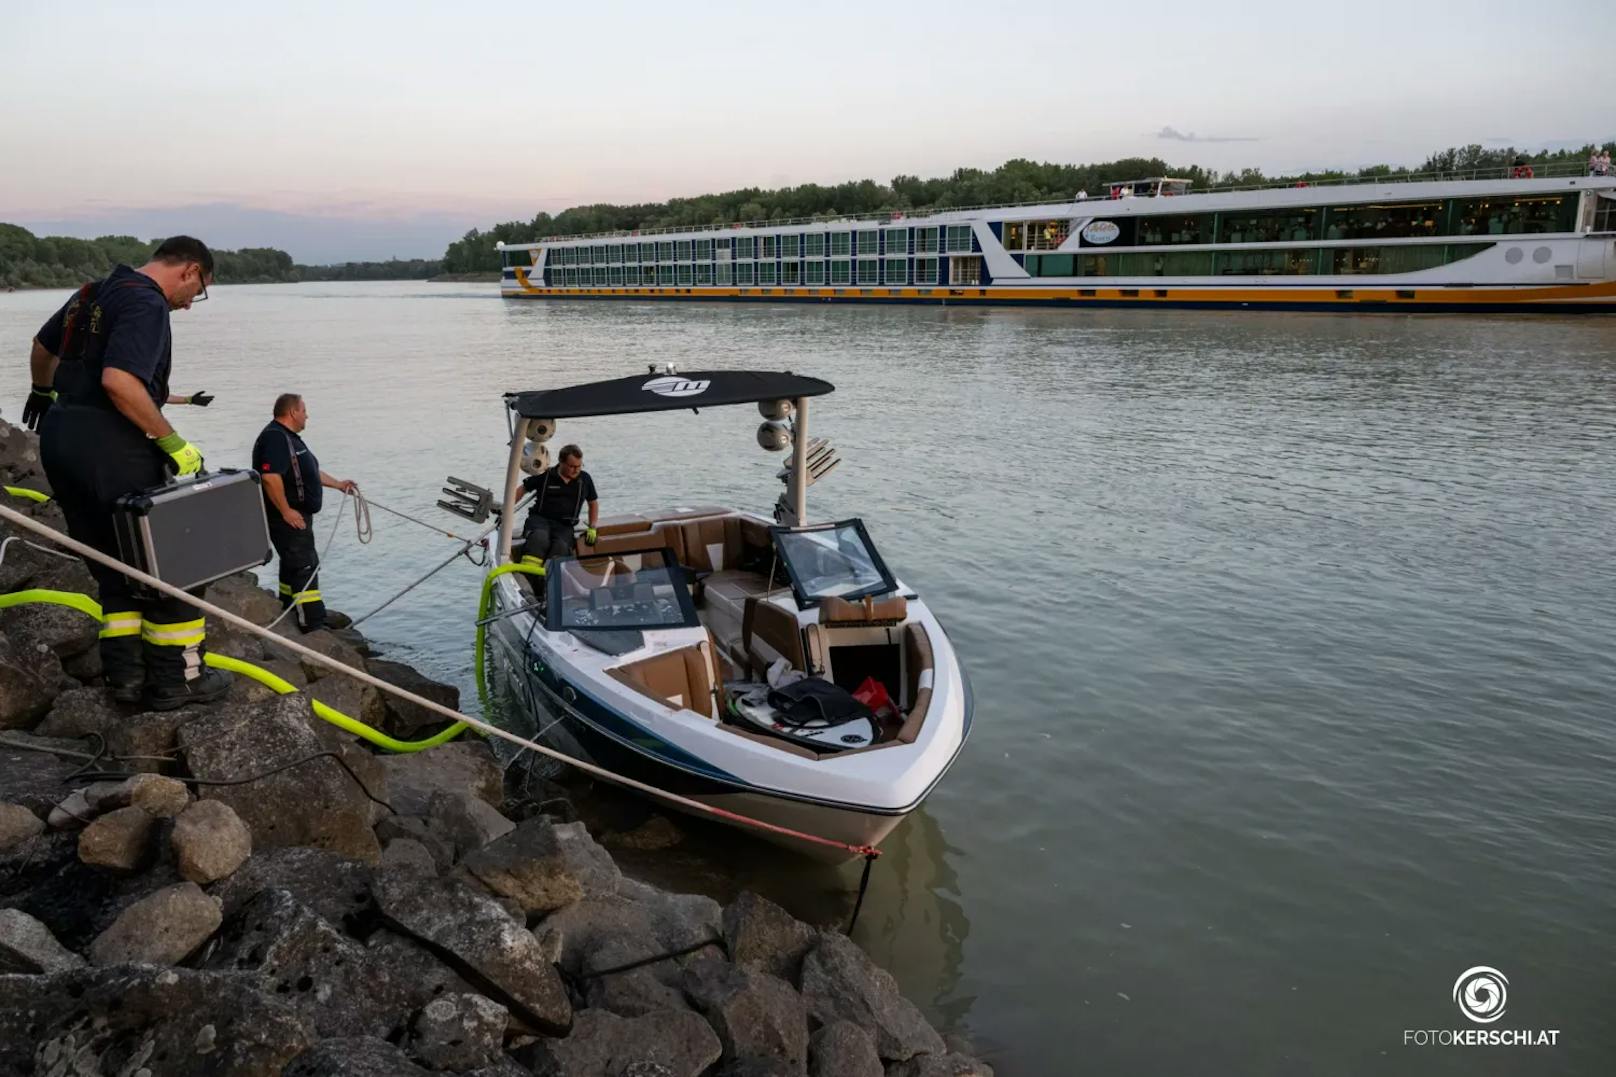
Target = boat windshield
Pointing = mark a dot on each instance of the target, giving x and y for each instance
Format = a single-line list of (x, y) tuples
[(633, 590), (832, 560)]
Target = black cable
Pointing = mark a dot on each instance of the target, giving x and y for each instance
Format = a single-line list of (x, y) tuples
[(864, 885), (108, 775), (692, 948), (95, 757)]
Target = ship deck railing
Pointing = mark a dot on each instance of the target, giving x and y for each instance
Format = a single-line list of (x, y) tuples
[(897, 214)]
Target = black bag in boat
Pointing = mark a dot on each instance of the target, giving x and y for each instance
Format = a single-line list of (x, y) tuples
[(813, 702)]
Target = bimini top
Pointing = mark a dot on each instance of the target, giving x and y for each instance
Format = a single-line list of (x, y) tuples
[(664, 392)]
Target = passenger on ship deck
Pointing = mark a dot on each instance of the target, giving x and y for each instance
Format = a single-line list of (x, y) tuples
[(561, 494), (1593, 164), (1603, 168)]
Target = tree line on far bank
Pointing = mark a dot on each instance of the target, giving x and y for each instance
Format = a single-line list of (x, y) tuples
[(1014, 181), (30, 261)]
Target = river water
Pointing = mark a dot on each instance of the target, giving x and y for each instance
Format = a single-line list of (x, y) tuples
[(1290, 634)]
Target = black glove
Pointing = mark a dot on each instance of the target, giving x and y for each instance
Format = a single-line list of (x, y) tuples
[(201, 400), (38, 403)]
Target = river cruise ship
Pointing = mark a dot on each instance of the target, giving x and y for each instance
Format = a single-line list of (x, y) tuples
[(1512, 242)]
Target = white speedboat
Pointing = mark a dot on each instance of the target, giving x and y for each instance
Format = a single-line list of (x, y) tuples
[(769, 667)]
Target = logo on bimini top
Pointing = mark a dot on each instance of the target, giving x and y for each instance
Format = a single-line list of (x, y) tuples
[(673, 386), (1481, 993), (1101, 232)]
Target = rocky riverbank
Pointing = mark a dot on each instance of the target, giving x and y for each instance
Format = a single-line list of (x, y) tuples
[(244, 889)]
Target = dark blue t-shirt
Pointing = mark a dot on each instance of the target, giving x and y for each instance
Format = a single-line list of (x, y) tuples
[(131, 311), (279, 451)]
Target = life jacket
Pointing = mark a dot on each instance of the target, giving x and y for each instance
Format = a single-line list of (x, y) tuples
[(84, 341)]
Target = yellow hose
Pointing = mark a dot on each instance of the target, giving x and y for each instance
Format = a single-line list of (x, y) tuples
[(87, 605), (482, 613), (31, 495)]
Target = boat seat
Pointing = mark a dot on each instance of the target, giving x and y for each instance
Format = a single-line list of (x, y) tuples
[(919, 669), (682, 679), (869, 610), (724, 596), (768, 634)]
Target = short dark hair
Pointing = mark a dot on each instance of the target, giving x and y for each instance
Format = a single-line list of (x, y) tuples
[(286, 402), (178, 249), (571, 452)]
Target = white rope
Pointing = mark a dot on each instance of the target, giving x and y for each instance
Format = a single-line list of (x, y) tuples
[(364, 536), (35, 545), (364, 677)]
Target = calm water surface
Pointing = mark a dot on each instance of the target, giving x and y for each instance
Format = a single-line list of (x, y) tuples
[(1291, 637)]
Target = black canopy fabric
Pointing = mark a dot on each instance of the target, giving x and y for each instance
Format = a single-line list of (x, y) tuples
[(665, 392)]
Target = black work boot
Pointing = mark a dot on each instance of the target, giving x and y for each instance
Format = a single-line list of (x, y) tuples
[(212, 684), (123, 667)]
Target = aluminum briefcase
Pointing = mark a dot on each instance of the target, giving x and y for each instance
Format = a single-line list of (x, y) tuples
[(195, 530)]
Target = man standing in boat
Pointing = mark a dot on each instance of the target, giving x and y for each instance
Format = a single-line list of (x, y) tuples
[(560, 496)]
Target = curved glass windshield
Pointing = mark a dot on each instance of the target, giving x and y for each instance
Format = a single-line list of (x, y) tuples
[(832, 561), (628, 590)]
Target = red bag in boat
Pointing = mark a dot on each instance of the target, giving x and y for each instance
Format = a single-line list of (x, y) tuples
[(873, 694)]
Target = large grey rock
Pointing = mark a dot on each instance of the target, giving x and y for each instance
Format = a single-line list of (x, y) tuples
[(760, 934), (142, 1019), (466, 765), (63, 630), (329, 979), (950, 1064), (240, 594), (210, 841), (674, 1043), (31, 678), (840, 982), (544, 867), (160, 929), (158, 796), (244, 689), (322, 642), (149, 741), (362, 703), (843, 1049), (17, 825), (354, 1056), (409, 855), (334, 886), (406, 719), (459, 1032), (120, 840), (30, 779), (759, 1018), (478, 938), (648, 922), (467, 822), (314, 803), (81, 712), (414, 969), (26, 945), (396, 827)]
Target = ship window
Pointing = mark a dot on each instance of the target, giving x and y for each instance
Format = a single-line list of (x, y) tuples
[(616, 275), (600, 275), (683, 275), (839, 272), (897, 240), (791, 272), (746, 247), (724, 244), (723, 275), (1046, 235), (1160, 230), (869, 271), (704, 274), (769, 245), (814, 272), (631, 275), (926, 269), (1264, 263), (841, 244), (1015, 236), (1384, 222), (964, 270), (664, 251), (682, 250), (765, 273), (790, 246), (895, 271), (1269, 226), (602, 254), (1514, 216), (959, 238), (813, 244), (1051, 265), (925, 239), (869, 241), (1605, 215), (745, 273), (704, 250), (665, 275)]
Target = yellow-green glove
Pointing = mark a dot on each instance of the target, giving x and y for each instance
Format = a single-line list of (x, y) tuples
[(590, 535), (187, 457)]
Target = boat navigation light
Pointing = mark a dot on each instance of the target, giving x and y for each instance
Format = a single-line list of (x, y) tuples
[(774, 409), (774, 435)]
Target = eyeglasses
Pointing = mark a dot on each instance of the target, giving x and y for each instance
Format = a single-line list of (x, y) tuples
[(202, 279)]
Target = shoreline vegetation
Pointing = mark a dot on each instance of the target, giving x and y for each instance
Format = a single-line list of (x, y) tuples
[(30, 261), (1014, 181)]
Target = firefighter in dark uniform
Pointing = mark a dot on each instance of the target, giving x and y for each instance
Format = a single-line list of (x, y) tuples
[(293, 492), (100, 370), (561, 495)]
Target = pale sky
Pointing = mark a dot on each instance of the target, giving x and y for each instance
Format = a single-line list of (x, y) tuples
[(363, 124)]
